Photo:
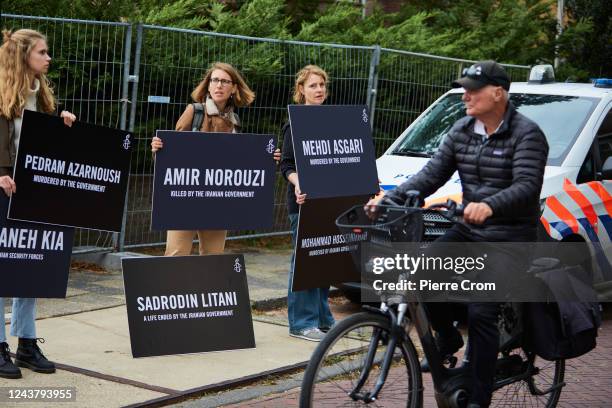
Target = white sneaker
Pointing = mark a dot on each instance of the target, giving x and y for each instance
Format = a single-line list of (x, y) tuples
[(312, 334)]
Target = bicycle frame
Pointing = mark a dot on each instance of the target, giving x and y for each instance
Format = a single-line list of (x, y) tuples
[(450, 384)]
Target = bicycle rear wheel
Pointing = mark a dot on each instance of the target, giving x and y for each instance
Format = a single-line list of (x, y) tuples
[(532, 392), (339, 361)]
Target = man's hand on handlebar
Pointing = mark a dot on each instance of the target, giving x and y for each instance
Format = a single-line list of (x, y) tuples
[(477, 213), (371, 208)]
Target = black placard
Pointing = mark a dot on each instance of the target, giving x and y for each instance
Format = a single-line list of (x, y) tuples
[(187, 304), (334, 151), (72, 176), (34, 258), (213, 181), (323, 253)]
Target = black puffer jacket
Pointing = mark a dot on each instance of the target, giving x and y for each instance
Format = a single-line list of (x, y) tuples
[(505, 170)]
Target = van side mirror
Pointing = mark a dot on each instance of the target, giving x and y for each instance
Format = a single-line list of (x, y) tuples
[(606, 169)]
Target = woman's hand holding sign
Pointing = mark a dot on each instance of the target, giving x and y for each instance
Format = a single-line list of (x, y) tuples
[(156, 144), (68, 117), (299, 197), (8, 185)]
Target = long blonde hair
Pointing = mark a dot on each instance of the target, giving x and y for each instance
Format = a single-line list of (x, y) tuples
[(244, 95), (302, 76), (16, 77)]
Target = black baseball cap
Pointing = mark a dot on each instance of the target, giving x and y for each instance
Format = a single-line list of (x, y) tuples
[(481, 74)]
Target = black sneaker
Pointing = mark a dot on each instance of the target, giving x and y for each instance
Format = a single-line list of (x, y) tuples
[(29, 355), (447, 346), (7, 368)]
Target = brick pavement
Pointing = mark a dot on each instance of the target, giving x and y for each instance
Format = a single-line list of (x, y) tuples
[(588, 383)]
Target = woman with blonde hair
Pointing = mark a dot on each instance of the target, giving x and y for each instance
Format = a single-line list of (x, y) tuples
[(309, 314), (24, 62), (221, 91)]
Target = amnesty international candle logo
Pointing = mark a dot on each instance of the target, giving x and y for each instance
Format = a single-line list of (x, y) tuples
[(364, 116), (270, 146), (237, 265), (126, 142)]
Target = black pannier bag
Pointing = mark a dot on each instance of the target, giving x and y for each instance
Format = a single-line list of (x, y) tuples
[(565, 328)]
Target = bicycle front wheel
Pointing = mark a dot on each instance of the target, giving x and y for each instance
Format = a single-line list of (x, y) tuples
[(348, 361)]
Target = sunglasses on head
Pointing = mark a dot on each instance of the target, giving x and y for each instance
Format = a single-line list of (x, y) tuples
[(474, 73)]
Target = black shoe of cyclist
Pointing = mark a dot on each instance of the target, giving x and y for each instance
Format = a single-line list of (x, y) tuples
[(447, 346)]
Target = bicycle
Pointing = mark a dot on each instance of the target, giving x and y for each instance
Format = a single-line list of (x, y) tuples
[(369, 358)]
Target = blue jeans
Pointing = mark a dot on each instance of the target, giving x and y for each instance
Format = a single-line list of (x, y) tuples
[(22, 318), (307, 308)]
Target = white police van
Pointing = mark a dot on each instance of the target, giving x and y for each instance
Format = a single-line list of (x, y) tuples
[(577, 194)]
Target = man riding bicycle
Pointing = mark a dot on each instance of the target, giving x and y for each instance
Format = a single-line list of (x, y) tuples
[(500, 156)]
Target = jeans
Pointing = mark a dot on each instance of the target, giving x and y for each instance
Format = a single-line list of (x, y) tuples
[(22, 318), (307, 308)]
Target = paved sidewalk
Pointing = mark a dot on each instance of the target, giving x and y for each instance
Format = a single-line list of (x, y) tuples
[(87, 336), (588, 383)]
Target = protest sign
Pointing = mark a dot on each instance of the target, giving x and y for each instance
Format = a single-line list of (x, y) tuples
[(334, 151), (213, 181), (34, 258), (71, 176), (323, 253), (187, 304)]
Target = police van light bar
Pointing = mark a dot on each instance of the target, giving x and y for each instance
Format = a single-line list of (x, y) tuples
[(541, 74), (602, 82)]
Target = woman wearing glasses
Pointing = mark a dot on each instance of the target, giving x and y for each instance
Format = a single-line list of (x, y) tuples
[(221, 91)]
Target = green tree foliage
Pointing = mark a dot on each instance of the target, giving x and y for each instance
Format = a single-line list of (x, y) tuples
[(192, 14), (512, 31), (258, 18), (587, 46), (506, 30)]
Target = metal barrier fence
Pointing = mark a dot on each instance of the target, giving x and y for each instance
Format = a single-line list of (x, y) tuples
[(90, 66), (92, 74)]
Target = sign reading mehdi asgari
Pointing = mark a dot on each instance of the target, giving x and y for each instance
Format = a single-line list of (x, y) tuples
[(187, 304), (34, 258), (334, 151), (213, 181), (71, 176)]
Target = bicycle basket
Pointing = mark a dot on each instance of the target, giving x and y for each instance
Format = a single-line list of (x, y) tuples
[(392, 224)]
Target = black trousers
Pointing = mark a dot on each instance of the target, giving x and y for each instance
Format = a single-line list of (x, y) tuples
[(483, 332)]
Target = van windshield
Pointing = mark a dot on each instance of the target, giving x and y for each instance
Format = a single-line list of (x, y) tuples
[(561, 118)]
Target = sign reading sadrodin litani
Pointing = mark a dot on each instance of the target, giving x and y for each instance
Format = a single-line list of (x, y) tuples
[(187, 304)]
